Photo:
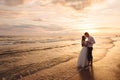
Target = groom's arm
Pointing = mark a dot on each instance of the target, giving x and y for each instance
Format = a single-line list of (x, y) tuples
[(92, 40)]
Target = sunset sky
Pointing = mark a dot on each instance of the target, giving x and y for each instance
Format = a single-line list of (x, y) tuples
[(36, 17)]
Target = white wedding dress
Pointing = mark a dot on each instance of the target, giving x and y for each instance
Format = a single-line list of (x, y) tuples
[(82, 59)]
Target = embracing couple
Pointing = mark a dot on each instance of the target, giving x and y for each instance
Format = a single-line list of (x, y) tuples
[(85, 58)]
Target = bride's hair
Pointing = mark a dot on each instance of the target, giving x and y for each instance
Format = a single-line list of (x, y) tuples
[(83, 39)]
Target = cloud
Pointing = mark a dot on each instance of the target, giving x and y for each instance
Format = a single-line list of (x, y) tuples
[(29, 29), (39, 19), (11, 27), (75, 4), (52, 28), (23, 26)]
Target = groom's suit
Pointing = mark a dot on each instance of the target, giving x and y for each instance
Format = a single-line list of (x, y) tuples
[(91, 41)]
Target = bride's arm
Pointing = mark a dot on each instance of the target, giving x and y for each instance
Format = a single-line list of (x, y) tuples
[(85, 43)]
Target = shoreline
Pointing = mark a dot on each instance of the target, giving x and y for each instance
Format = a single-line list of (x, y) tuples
[(61, 63)]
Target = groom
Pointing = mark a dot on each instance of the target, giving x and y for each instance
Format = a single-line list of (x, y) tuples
[(90, 41)]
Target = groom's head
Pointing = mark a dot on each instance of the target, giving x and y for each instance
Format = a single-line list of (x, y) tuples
[(86, 34)]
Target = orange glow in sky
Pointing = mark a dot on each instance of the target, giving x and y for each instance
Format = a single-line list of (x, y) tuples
[(44, 16)]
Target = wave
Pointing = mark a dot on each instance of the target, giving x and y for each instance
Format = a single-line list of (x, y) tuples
[(12, 52), (14, 40)]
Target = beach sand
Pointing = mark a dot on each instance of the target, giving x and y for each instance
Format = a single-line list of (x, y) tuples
[(58, 61)]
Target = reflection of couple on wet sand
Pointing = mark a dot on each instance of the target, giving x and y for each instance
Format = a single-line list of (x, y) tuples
[(85, 58), (87, 74)]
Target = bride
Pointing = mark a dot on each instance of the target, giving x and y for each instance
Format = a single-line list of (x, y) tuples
[(82, 59)]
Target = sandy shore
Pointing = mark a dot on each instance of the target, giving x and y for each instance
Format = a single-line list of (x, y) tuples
[(58, 61)]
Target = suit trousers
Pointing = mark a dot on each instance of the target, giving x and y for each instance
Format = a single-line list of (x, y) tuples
[(89, 56)]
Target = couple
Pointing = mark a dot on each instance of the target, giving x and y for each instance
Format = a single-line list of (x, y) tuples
[(85, 57)]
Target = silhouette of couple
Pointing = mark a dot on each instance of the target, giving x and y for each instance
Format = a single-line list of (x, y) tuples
[(85, 58)]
